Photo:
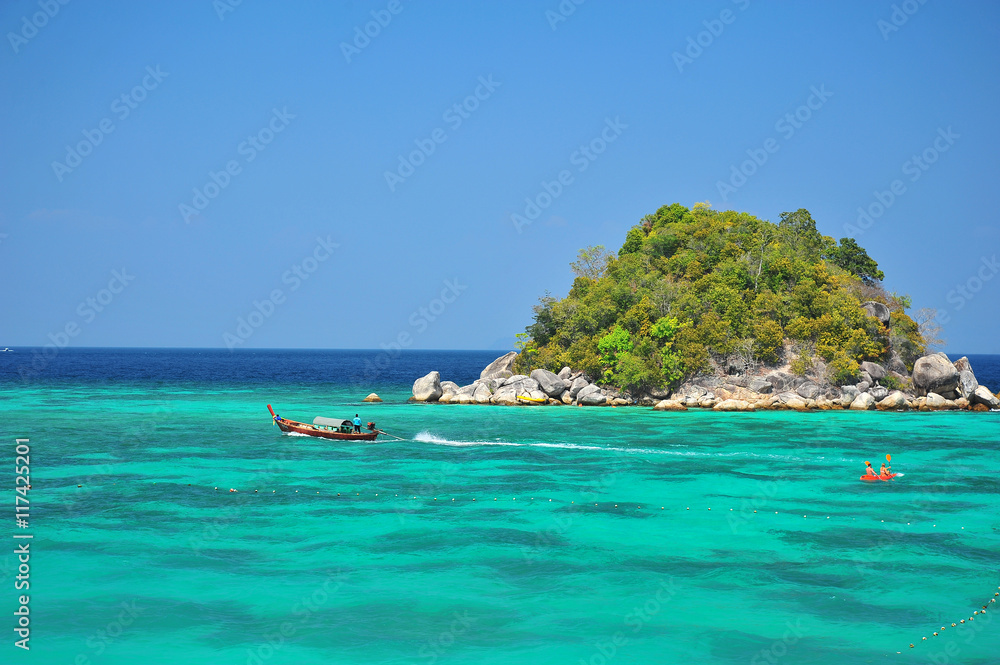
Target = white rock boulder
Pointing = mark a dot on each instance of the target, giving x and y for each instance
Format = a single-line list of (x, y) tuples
[(578, 384), (982, 395), (935, 374), (863, 402), (428, 388), (591, 396), (733, 405), (669, 405), (892, 402), (935, 401), (549, 383), (501, 367), (482, 394)]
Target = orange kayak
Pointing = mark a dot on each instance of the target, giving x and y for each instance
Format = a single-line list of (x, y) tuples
[(872, 479)]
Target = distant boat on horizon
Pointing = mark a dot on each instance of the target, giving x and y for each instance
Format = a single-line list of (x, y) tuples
[(7, 349)]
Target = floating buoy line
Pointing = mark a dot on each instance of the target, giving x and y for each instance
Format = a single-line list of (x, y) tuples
[(976, 613), (650, 508)]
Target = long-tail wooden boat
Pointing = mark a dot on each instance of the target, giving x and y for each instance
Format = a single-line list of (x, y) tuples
[(325, 428)]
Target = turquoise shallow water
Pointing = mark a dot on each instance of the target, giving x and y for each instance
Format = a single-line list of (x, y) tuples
[(332, 560)]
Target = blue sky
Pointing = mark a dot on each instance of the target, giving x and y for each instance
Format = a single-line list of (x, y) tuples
[(227, 160)]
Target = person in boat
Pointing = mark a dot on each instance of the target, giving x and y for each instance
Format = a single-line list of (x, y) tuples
[(885, 470), (357, 424), (869, 471)]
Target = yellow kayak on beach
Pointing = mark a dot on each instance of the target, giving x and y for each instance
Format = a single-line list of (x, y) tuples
[(535, 400)]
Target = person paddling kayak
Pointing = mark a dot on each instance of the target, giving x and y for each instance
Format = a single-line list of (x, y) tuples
[(884, 474)]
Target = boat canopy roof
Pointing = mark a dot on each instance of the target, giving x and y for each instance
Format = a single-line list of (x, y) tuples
[(331, 422)]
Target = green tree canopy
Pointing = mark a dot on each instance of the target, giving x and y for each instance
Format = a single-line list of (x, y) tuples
[(697, 289), (591, 262), (853, 258)]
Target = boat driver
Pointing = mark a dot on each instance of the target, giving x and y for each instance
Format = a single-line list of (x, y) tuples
[(357, 424)]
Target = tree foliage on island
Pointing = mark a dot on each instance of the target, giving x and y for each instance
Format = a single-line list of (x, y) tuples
[(695, 288), (853, 258)]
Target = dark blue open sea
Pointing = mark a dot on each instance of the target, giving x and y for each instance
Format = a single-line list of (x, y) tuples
[(172, 523)]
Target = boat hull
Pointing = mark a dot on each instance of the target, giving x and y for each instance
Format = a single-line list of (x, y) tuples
[(295, 427), (289, 426), (875, 479)]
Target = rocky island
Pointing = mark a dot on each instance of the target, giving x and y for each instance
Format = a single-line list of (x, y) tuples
[(722, 310)]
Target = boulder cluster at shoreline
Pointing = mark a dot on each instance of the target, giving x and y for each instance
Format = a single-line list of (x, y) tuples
[(938, 384)]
